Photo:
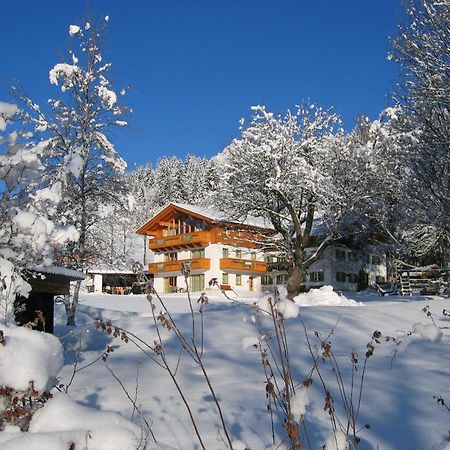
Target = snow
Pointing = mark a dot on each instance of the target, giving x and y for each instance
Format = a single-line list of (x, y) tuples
[(29, 356), (62, 70), (57, 270), (108, 96), (249, 342), (324, 296), (299, 402), (7, 110), (429, 331), (74, 29), (13, 283), (288, 309), (337, 442), (52, 194), (396, 403), (75, 164)]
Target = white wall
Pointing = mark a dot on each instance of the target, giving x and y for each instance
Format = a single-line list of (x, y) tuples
[(214, 252), (98, 282), (330, 265)]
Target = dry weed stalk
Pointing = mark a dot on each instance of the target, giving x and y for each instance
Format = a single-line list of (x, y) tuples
[(191, 344), (281, 387)]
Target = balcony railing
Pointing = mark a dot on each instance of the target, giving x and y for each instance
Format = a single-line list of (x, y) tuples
[(175, 266), (243, 265), (180, 241)]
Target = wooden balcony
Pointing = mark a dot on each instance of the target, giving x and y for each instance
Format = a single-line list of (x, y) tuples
[(197, 264), (180, 241), (248, 266)]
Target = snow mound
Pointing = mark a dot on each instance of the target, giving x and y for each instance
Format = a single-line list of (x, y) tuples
[(325, 296), (287, 308), (29, 355), (299, 402), (61, 424), (430, 331)]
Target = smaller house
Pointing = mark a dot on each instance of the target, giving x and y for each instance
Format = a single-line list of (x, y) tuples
[(347, 269), (340, 266)]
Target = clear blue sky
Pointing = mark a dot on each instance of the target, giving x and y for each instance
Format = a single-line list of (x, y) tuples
[(196, 66)]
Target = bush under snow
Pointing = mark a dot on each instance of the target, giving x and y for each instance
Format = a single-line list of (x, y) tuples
[(27, 355)]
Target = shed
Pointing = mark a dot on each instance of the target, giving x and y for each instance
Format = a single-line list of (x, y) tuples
[(38, 308)]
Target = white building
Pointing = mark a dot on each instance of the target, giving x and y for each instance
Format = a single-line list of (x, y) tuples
[(209, 245)]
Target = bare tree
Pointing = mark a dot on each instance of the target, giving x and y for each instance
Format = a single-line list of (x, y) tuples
[(79, 156)]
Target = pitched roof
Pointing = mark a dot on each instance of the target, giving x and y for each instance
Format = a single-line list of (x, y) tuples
[(203, 212)]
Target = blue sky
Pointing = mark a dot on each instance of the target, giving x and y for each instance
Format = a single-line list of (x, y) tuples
[(194, 67)]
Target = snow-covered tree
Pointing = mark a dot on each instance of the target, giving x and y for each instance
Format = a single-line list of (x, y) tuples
[(275, 171), (112, 237), (422, 50), (27, 235), (198, 179), (367, 189), (311, 181), (79, 156), (168, 180)]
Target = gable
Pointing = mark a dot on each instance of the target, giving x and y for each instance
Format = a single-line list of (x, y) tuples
[(177, 219)]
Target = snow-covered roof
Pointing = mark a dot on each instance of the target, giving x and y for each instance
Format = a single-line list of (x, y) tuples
[(220, 216), (58, 270), (110, 271)]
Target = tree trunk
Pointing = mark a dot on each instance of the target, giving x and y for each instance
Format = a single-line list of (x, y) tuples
[(296, 282), (72, 308)]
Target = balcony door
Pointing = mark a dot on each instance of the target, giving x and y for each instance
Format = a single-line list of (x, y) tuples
[(170, 285)]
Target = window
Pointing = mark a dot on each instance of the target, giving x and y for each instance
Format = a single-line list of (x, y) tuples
[(239, 254), (269, 258), (238, 280), (379, 279), (341, 277), (170, 256), (170, 285), (340, 254), (352, 256), (376, 260), (197, 282), (199, 253), (281, 279), (266, 280), (353, 278), (224, 278), (315, 277), (225, 253), (253, 256)]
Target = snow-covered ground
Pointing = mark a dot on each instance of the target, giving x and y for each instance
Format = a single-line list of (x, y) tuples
[(397, 401)]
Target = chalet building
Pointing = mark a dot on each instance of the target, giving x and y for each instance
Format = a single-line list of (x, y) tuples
[(214, 247), (209, 244)]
